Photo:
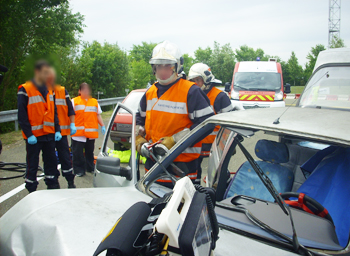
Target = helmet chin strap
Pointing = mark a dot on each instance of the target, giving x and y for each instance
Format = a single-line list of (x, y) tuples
[(171, 79), (205, 87)]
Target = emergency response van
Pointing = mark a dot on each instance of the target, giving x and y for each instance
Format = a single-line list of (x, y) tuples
[(257, 84)]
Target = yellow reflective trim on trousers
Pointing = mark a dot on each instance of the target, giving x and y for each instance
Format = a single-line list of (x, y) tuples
[(261, 97), (251, 97), (111, 231)]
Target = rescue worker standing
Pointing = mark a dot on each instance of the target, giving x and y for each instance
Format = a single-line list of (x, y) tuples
[(38, 119), (66, 117), (202, 76), (87, 118), (170, 108)]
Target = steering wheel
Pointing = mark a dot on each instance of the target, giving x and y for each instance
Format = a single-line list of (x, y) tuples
[(307, 204)]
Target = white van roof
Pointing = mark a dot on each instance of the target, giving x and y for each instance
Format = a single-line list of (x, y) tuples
[(257, 66), (338, 55)]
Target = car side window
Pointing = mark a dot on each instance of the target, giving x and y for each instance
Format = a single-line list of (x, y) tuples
[(222, 141)]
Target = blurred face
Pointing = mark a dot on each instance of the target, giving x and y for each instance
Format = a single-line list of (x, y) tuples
[(198, 81), (51, 78), (85, 92), (42, 74), (164, 71)]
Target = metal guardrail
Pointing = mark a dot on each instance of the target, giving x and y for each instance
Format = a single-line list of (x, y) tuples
[(11, 115)]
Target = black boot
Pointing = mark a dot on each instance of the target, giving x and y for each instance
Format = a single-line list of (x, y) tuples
[(53, 186), (71, 184)]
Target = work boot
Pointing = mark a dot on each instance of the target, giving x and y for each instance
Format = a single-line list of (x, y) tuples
[(71, 184), (53, 186)]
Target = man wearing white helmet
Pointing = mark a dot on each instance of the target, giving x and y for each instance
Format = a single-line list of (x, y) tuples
[(170, 108), (201, 74)]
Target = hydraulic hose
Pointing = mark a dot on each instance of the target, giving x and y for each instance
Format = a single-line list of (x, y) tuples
[(16, 167)]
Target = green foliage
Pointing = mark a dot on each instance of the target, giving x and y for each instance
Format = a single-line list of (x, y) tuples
[(203, 55), (312, 57), (245, 53), (188, 62), (223, 62), (337, 42), (142, 52), (35, 28), (110, 68), (294, 74)]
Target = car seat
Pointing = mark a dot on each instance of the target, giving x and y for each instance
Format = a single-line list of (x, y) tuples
[(247, 182), (329, 184)]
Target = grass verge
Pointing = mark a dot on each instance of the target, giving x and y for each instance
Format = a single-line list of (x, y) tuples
[(297, 89), (10, 137)]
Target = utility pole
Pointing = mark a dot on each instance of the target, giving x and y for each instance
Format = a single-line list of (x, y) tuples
[(333, 20)]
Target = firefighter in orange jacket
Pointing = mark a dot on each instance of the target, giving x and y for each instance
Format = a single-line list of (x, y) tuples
[(201, 74), (66, 117), (170, 108), (37, 116)]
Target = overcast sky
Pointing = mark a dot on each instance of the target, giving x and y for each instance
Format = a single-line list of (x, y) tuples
[(278, 27)]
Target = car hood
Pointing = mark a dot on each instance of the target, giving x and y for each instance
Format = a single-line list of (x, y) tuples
[(73, 222)]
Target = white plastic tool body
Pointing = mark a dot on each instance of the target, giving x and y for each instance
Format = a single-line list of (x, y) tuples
[(172, 217)]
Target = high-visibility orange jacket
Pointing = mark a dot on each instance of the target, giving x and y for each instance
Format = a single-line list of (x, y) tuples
[(212, 94), (168, 115), (62, 109), (86, 117), (41, 112)]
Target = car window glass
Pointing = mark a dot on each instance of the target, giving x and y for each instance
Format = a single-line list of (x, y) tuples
[(132, 101), (257, 81), (222, 141)]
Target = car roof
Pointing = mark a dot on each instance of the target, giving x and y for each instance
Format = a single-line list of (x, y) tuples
[(338, 55), (257, 66), (322, 125), (139, 90)]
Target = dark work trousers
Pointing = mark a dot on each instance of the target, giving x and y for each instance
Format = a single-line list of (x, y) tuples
[(62, 148), (81, 162), (50, 164)]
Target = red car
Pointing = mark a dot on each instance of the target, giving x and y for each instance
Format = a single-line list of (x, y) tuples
[(121, 129)]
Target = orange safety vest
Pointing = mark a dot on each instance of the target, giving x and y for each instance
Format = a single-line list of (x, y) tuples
[(168, 115), (212, 94), (41, 113), (62, 109), (86, 117)]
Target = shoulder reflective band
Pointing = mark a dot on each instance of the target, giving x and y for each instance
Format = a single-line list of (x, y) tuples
[(90, 109), (22, 93), (37, 127), (48, 123), (201, 112), (60, 102), (79, 107), (35, 99), (91, 130)]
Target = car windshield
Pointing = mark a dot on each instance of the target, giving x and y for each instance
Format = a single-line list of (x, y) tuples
[(250, 81), (132, 101), (329, 87)]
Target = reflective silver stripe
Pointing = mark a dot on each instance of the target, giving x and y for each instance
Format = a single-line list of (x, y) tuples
[(35, 99), (61, 102), (79, 107), (65, 171), (67, 96), (200, 113), (51, 97), (214, 133), (227, 109), (65, 127), (142, 114), (150, 103), (91, 109), (30, 181), (171, 107), (37, 127), (49, 124), (49, 176), (91, 130), (192, 150), (24, 93), (80, 127)]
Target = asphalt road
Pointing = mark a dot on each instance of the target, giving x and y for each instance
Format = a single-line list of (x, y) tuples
[(16, 153)]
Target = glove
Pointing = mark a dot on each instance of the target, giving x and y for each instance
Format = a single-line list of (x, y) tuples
[(58, 136), (139, 142), (103, 129), (169, 142), (32, 140), (73, 130)]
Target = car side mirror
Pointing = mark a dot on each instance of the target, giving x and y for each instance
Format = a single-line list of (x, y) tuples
[(111, 165), (287, 88), (227, 87)]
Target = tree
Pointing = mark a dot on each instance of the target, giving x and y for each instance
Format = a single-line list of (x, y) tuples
[(294, 71), (188, 62), (222, 62), (245, 53), (312, 57), (32, 28), (203, 55), (110, 68), (142, 52), (337, 42)]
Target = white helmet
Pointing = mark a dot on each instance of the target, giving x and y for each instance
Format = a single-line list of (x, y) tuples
[(201, 70), (167, 53)]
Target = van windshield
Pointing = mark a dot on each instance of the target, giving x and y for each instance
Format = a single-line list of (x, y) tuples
[(329, 87), (257, 81)]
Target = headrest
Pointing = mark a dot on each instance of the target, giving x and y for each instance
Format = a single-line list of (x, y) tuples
[(272, 151)]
